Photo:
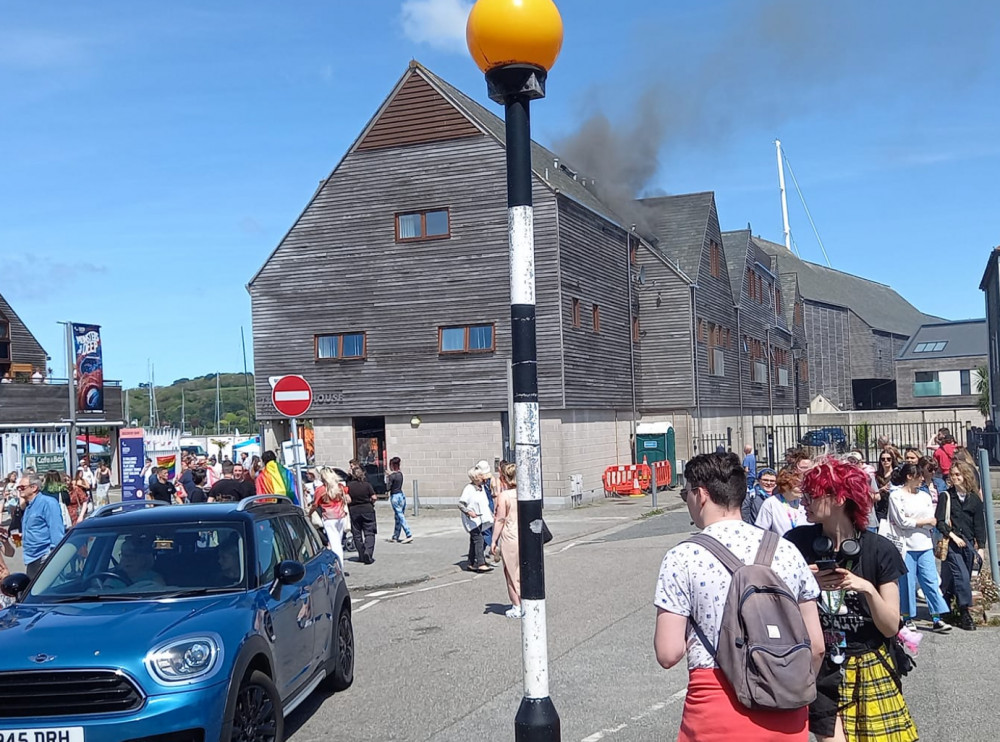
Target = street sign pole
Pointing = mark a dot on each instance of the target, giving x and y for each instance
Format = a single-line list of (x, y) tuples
[(296, 466), (292, 397)]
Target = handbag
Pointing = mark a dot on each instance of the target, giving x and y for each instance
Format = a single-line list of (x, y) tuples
[(888, 531), (941, 547), (316, 519)]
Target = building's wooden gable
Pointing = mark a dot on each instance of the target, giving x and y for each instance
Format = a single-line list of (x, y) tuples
[(416, 114)]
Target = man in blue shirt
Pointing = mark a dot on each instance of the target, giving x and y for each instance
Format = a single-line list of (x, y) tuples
[(41, 526), (750, 465)]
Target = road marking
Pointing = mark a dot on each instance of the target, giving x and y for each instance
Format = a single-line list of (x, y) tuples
[(379, 593), (567, 547), (597, 736), (437, 587), (366, 606)]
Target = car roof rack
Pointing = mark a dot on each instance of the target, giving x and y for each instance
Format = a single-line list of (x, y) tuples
[(258, 500), (123, 507)]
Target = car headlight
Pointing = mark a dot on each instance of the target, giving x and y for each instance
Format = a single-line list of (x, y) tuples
[(186, 659)]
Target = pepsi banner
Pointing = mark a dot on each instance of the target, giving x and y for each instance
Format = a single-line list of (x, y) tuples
[(89, 368)]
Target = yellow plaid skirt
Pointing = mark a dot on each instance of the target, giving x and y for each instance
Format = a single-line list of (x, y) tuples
[(872, 706)]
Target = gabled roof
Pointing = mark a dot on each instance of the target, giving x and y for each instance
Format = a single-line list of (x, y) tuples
[(19, 333), (878, 305), (736, 245), (959, 339), (789, 286), (680, 224)]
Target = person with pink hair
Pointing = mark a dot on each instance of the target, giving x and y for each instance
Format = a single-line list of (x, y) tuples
[(858, 690)]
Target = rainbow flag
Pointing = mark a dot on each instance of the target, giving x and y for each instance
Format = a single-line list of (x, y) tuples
[(276, 479), (169, 463)]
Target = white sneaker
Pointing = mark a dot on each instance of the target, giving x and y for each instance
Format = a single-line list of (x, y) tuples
[(514, 612)]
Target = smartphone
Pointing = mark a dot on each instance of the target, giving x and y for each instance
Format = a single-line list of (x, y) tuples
[(826, 564)]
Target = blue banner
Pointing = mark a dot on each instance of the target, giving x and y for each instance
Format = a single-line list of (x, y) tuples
[(133, 457)]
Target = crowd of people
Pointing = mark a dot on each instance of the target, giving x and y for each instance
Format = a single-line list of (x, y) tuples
[(856, 541)]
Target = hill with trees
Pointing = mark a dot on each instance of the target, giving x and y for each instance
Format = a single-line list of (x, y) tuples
[(192, 401)]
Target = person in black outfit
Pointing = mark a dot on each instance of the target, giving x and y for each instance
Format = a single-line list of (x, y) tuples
[(198, 493), (233, 487), (361, 498), (162, 489), (965, 530)]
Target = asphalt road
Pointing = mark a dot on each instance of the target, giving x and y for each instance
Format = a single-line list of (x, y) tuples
[(439, 661)]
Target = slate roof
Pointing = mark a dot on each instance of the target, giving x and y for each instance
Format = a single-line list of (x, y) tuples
[(962, 339), (875, 303), (679, 224)]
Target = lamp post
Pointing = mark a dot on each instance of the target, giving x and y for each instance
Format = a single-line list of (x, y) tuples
[(515, 43)]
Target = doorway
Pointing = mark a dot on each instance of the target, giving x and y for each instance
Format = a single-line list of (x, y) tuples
[(369, 449)]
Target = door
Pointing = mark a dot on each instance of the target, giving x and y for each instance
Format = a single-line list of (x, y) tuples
[(307, 549), (369, 449), (672, 456), (650, 447), (292, 642)]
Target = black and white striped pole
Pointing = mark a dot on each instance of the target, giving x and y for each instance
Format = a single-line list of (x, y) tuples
[(516, 42)]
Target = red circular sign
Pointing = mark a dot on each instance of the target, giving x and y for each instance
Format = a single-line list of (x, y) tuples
[(292, 396)]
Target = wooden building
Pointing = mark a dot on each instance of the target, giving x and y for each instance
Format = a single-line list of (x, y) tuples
[(390, 295), (939, 366)]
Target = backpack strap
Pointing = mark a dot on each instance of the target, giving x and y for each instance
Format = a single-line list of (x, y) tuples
[(768, 546), (716, 549)]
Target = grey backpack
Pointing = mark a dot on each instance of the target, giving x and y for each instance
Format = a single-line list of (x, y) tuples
[(764, 648)]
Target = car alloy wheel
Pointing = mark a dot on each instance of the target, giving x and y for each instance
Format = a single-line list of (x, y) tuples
[(258, 717), (343, 671)]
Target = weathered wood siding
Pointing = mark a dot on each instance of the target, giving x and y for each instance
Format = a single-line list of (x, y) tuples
[(873, 352), (828, 330), (593, 258), (23, 346), (340, 269), (714, 303), (664, 357)]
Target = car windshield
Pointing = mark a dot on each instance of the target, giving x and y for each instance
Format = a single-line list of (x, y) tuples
[(144, 561)]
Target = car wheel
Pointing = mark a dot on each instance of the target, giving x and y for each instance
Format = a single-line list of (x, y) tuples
[(257, 716), (343, 669)]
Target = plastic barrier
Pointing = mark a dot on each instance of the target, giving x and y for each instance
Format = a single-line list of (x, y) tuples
[(633, 480), (663, 474)]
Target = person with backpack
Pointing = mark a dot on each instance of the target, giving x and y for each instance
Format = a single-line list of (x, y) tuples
[(859, 689), (741, 604)]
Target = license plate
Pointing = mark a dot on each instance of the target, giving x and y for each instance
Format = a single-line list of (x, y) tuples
[(50, 734)]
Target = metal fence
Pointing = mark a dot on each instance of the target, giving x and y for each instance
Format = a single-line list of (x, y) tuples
[(709, 442), (772, 442)]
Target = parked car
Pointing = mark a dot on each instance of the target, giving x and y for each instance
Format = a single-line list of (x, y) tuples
[(174, 624), (834, 437)]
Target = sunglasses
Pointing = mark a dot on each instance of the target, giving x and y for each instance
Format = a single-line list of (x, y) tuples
[(23, 487)]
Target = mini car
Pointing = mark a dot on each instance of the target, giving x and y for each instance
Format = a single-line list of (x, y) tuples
[(166, 623), (834, 437)]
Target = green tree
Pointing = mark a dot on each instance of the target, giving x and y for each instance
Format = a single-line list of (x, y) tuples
[(983, 389)]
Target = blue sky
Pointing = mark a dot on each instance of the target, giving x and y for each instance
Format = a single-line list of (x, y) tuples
[(153, 154)]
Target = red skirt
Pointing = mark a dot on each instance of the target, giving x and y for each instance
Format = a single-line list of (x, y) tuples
[(713, 714)]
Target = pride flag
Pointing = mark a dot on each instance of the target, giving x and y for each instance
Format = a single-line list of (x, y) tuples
[(275, 479), (169, 463)]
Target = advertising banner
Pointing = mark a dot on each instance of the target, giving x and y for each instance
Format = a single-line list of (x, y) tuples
[(89, 368), (133, 454)]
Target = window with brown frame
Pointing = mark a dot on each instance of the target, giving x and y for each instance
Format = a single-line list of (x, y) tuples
[(596, 317), (799, 320), (466, 339), (714, 259), (423, 225), (777, 299), (633, 253), (803, 370), (347, 346), (635, 330), (577, 321), (751, 283)]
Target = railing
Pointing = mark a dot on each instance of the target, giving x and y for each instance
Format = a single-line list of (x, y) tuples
[(52, 381), (927, 389)]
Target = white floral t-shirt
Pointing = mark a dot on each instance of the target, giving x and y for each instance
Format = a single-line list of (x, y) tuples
[(694, 583)]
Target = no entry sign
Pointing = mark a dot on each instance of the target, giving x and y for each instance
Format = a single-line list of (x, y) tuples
[(292, 396)]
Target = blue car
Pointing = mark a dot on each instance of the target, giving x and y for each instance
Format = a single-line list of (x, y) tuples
[(168, 623)]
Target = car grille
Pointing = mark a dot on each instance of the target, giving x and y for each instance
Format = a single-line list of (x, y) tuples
[(42, 693)]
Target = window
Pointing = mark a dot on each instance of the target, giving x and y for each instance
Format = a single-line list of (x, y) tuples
[(932, 347), (596, 317), (466, 339), (270, 550), (341, 347), (752, 283), (423, 225), (803, 370), (777, 300), (965, 381), (799, 320), (760, 290), (297, 530), (758, 372), (782, 377), (635, 330), (576, 313), (4, 340), (714, 259)]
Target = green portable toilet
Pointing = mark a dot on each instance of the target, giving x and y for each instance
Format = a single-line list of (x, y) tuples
[(655, 442)]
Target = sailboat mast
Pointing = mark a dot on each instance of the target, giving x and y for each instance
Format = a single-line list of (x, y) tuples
[(784, 200)]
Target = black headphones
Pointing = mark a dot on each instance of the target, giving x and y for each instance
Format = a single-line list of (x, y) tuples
[(850, 549)]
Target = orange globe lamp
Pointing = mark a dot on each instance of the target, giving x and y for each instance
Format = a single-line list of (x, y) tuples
[(514, 32)]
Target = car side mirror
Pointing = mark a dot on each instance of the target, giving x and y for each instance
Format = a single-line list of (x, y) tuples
[(14, 584), (287, 572)]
